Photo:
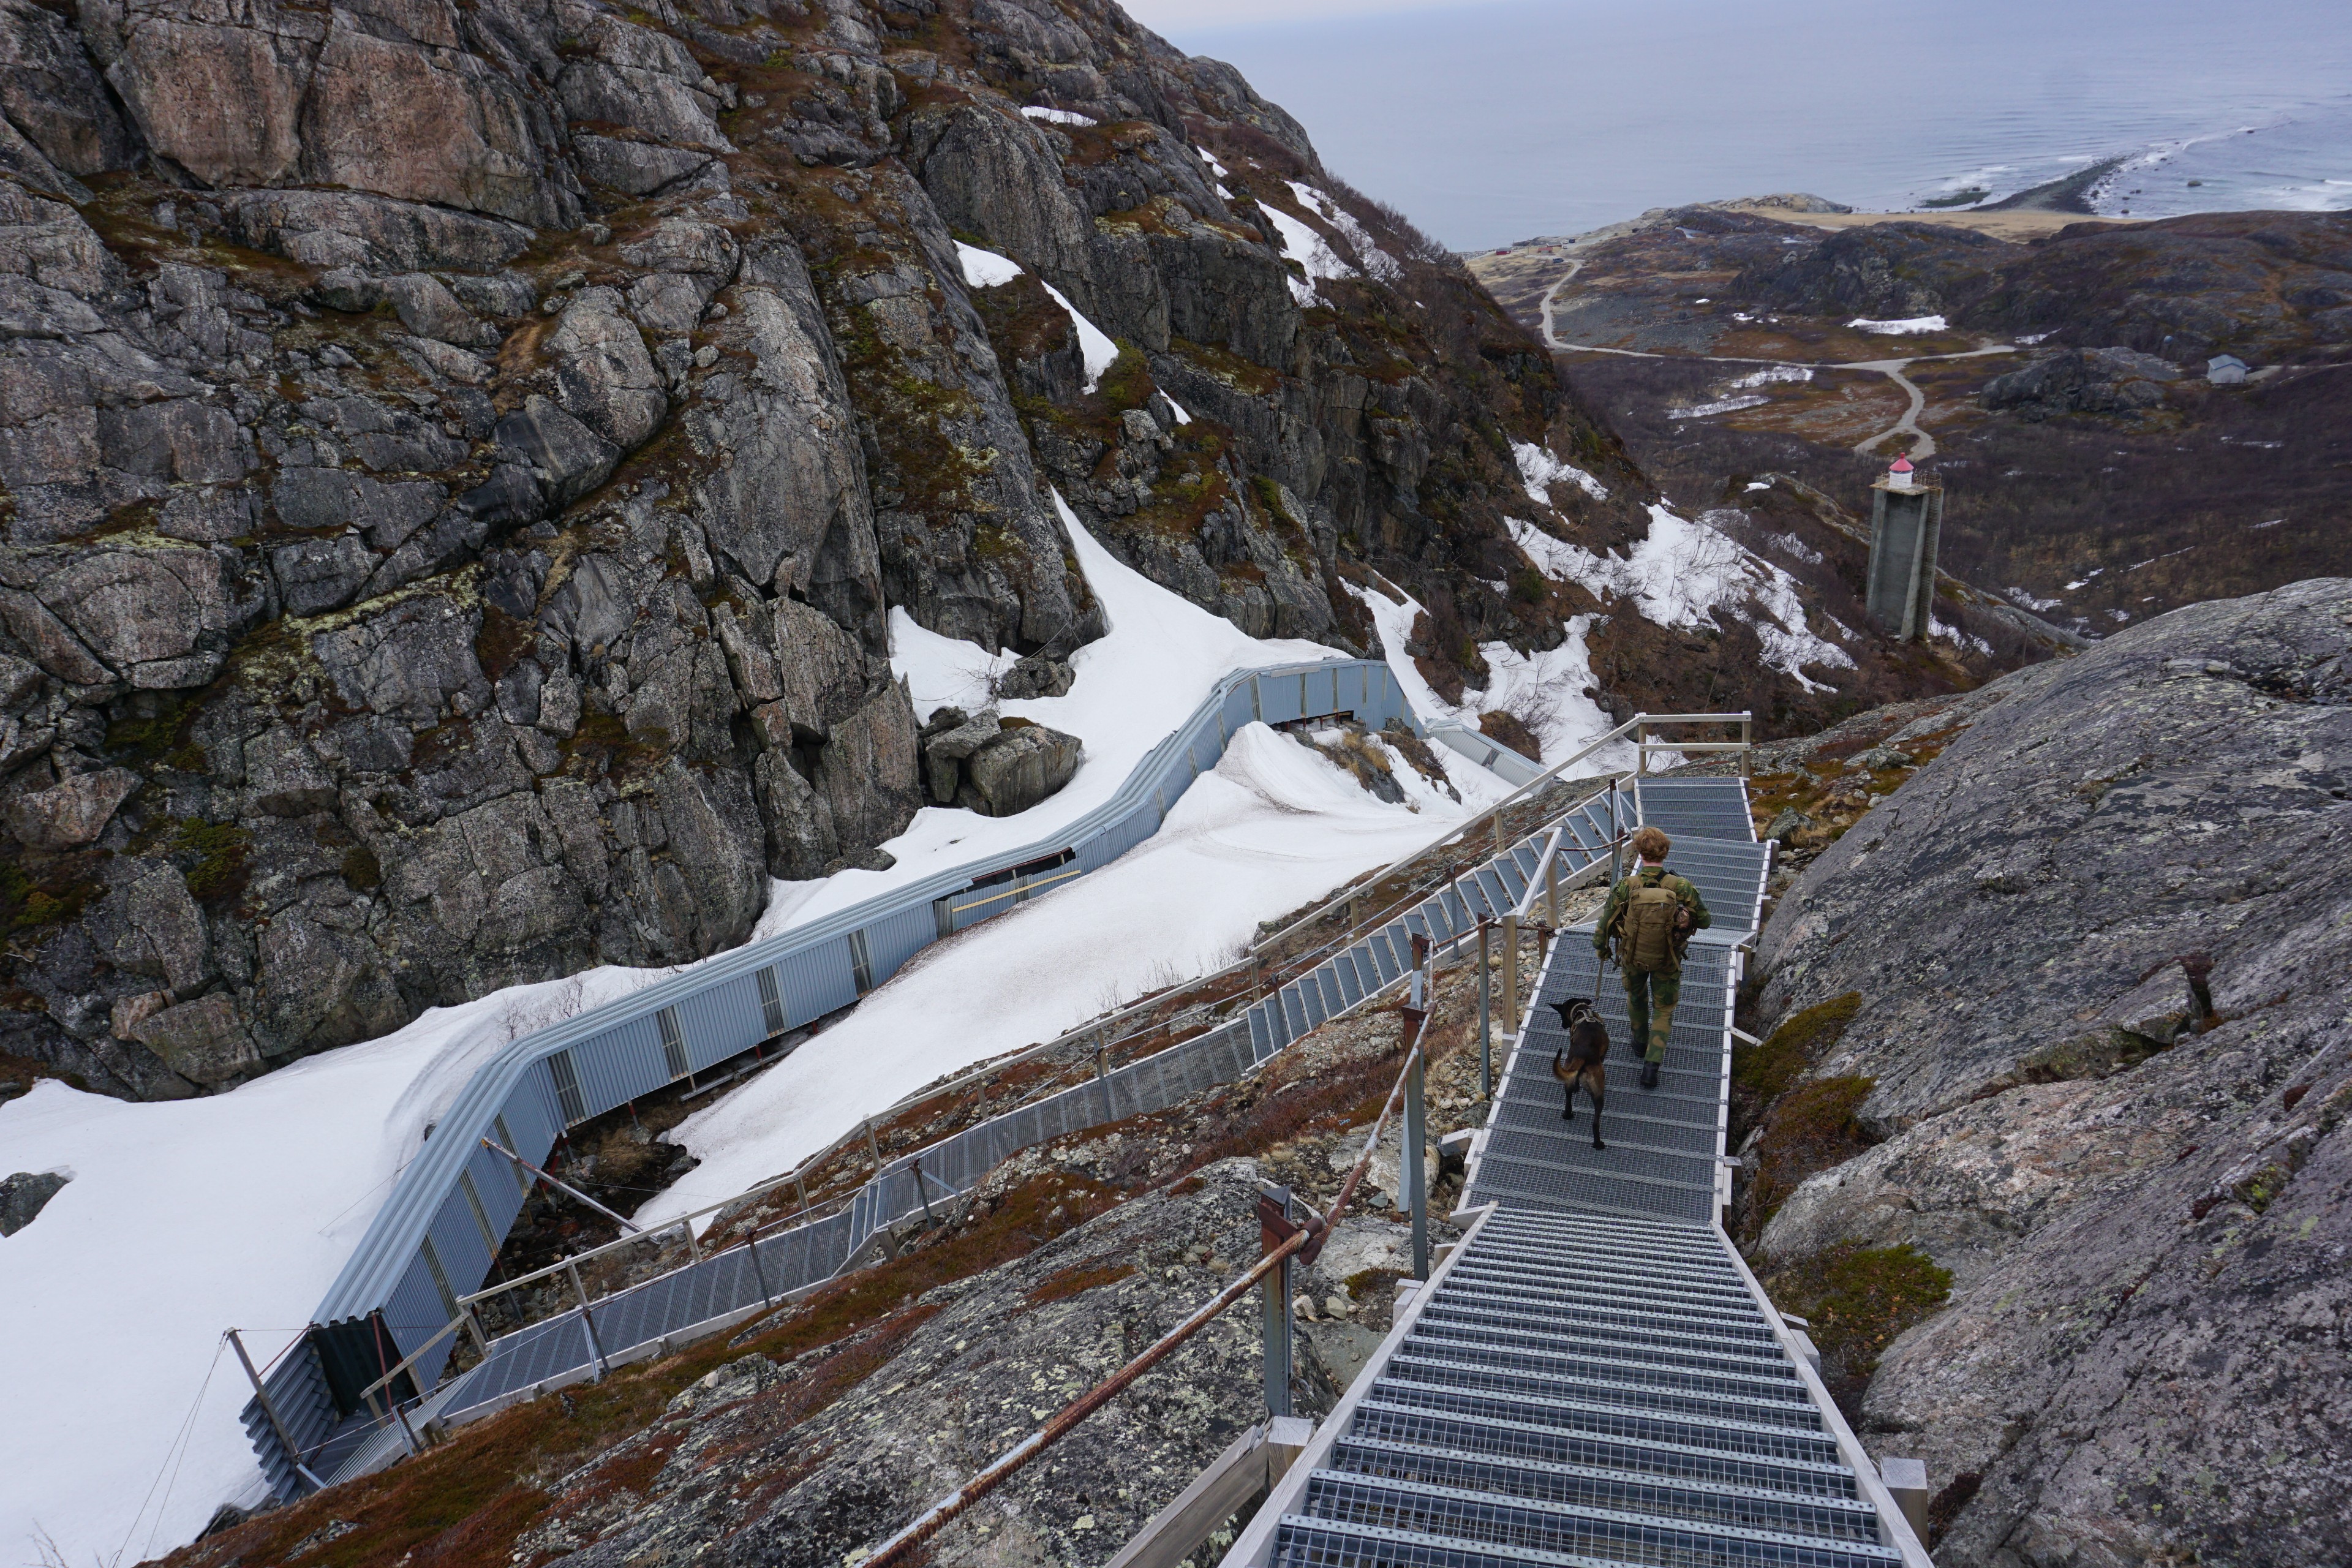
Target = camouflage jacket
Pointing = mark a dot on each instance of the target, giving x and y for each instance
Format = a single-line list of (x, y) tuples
[(1612, 914)]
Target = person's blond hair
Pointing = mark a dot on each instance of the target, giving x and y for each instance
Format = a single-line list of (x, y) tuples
[(1651, 844)]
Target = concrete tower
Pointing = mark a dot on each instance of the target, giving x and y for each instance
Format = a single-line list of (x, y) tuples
[(1906, 514)]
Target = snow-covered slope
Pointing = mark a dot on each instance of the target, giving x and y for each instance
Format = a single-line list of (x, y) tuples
[(1272, 827), (1546, 690), (186, 1217), (183, 1218)]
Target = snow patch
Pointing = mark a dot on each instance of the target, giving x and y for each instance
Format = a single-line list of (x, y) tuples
[(1539, 470), (1958, 637), (1376, 261), (1721, 406), (1908, 326), (2020, 596), (188, 1216), (1176, 408), (1767, 376), (1057, 115), (1682, 574), (987, 269), (942, 672), (244, 1206), (1547, 690), (1310, 251)]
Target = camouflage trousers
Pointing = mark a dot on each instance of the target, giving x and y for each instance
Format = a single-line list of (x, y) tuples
[(1650, 998)]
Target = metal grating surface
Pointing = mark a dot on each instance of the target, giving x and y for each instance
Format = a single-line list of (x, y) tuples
[(1592, 1379)]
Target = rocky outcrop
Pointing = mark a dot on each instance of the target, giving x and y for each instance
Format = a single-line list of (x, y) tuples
[(997, 767), (2100, 951), (1886, 271), (2083, 381), (459, 460)]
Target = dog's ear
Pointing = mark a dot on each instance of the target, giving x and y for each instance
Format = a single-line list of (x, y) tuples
[(1567, 1017)]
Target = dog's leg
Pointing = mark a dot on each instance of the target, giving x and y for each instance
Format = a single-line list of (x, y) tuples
[(1567, 1104), (1592, 1086)]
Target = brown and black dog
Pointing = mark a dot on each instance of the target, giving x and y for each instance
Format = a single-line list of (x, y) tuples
[(1585, 1060)]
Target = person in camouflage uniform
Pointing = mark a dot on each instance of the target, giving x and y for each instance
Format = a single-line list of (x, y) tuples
[(1654, 980)]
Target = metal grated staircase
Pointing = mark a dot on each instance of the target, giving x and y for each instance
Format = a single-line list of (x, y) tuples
[(1592, 1376)]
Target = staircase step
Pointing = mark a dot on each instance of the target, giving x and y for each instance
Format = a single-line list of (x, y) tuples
[(1736, 1439), (1491, 1520), (1500, 1433), (1604, 1387), (1785, 1514)]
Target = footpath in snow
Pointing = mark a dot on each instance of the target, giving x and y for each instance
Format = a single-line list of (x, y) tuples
[(183, 1218)]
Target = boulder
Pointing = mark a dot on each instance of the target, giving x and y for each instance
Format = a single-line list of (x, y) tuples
[(350, 229), (318, 574), (1035, 675), (70, 813), (635, 168), (564, 457), (23, 1195), (204, 1041), (427, 309), (948, 738), (604, 377), (1022, 765)]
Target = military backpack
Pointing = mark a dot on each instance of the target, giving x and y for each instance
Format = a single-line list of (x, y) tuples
[(1648, 928)]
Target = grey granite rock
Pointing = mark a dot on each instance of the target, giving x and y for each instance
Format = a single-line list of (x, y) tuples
[(70, 813), (24, 1194), (2138, 1183), (1019, 767)]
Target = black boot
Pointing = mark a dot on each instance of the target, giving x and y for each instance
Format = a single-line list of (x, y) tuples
[(1649, 1075)]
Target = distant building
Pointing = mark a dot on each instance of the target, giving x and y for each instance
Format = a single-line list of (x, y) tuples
[(2225, 369), (1906, 518)]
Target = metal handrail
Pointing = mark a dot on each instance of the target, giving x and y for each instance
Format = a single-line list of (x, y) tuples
[(1291, 966), (1410, 898), (1550, 775)]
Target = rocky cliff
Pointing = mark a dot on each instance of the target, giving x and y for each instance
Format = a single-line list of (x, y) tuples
[(460, 463), (2090, 965)]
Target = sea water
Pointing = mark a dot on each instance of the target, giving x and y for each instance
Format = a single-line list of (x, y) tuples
[(1492, 122)]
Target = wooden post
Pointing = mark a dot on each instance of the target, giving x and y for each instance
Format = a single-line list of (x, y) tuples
[(873, 1147), (1510, 973), (1748, 756), (799, 1186)]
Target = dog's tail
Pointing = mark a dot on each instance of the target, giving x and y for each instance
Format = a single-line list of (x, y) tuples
[(1560, 1068)]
